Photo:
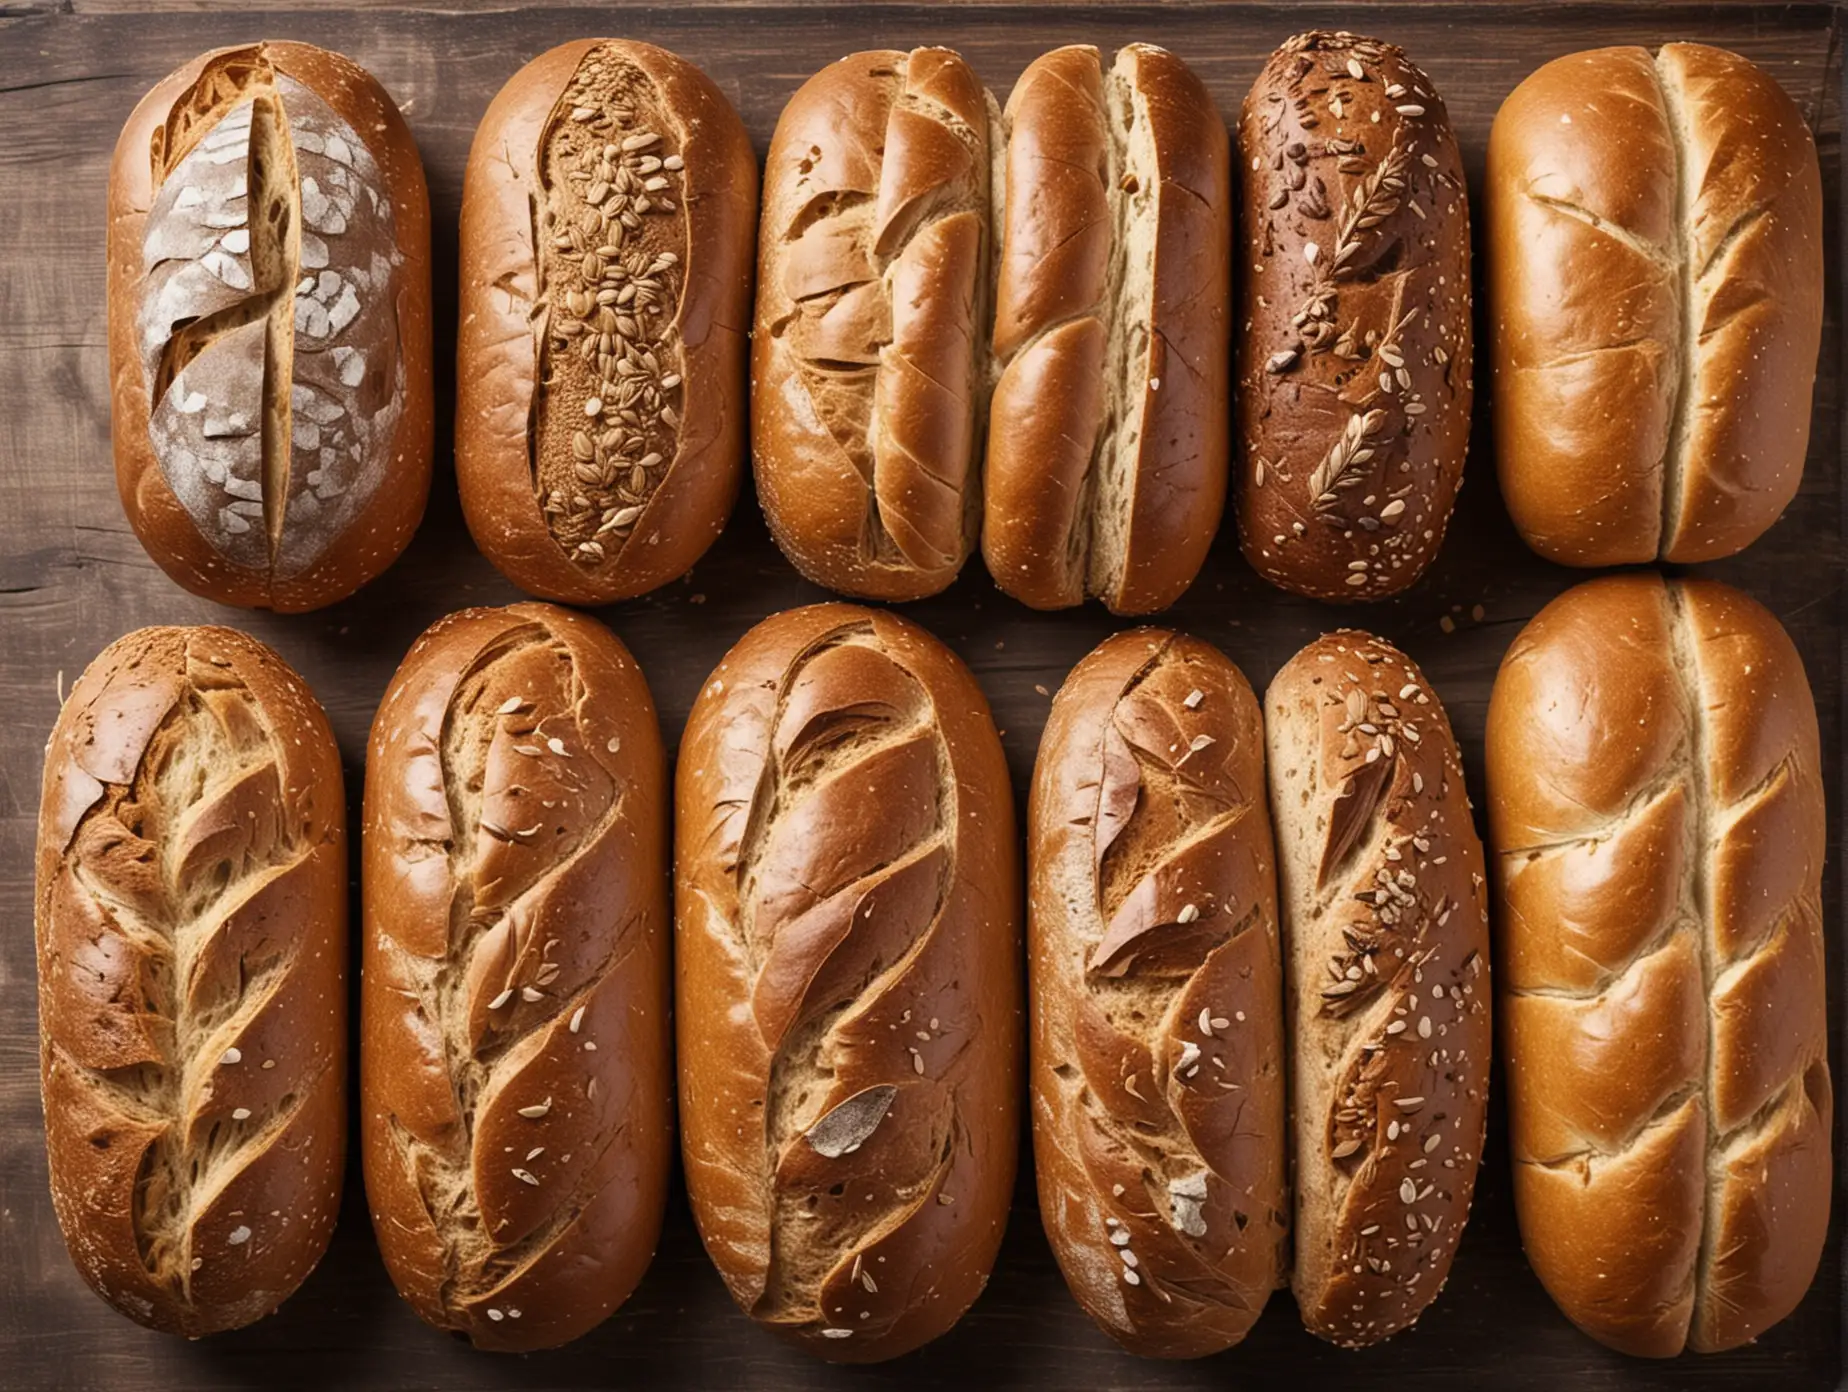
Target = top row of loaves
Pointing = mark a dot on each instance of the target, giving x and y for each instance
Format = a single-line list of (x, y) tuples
[(973, 324)]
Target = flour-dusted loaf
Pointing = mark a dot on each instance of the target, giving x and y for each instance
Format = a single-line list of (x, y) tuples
[(1655, 294), (1656, 812), (269, 326), (1354, 319), (847, 980), (191, 910), (1386, 959), (1106, 469), (1158, 1055), (608, 213), (868, 364), (515, 1076)]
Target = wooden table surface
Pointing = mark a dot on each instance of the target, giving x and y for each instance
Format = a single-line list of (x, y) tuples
[(73, 578)]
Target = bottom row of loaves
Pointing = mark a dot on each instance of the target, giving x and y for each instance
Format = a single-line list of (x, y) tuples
[(1258, 977)]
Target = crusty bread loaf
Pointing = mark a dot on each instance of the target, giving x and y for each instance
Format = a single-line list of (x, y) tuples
[(1106, 469), (191, 910), (515, 1083), (269, 326), (868, 360), (1386, 948), (848, 980), (1354, 321), (600, 352), (1157, 1078), (1655, 287), (1656, 810)]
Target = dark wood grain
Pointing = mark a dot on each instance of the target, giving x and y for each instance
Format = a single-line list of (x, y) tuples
[(72, 578)]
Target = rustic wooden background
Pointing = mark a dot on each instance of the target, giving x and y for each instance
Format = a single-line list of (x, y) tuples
[(73, 577)]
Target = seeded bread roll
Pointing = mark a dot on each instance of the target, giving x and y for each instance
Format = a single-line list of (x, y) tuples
[(1386, 954), (269, 326), (601, 340), (1107, 441), (1158, 1107), (1655, 230), (848, 980), (1656, 810), (515, 1082), (191, 912), (1355, 341), (868, 364)]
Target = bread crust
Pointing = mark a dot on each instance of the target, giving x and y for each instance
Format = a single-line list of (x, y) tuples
[(1656, 812), (193, 830), (1386, 963), (515, 1089), (1157, 1068), (507, 320), (390, 475), (848, 980), (1655, 344), (1355, 343)]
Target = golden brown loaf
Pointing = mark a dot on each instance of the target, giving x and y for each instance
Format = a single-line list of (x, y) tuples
[(191, 911), (1106, 469), (1655, 805), (607, 218), (1655, 286), (1354, 320), (848, 980), (1386, 948), (269, 326), (868, 362), (515, 1088), (1157, 1078)]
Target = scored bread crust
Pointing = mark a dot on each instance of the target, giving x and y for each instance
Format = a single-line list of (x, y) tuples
[(505, 316), (193, 830), (1656, 813), (868, 356), (1107, 436), (383, 526), (1386, 962), (1656, 292), (1355, 343), (516, 1105), (1157, 1068), (848, 980)]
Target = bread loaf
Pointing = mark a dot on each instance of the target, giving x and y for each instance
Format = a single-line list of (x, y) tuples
[(1386, 944), (1106, 466), (1655, 285), (191, 912), (868, 363), (515, 1082), (1158, 1090), (269, 326), (848, 980), (1656, 811), (601, 340), (1355, 340)]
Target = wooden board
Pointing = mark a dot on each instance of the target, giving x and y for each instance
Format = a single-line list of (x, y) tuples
[(72, 578)]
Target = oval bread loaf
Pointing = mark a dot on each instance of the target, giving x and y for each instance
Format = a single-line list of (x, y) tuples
[(1106, 469), (1158, 1086), (191, 909), (868, 364), (848, 980), (269, 326), (1386, 948), (1355, 340), (1656, 810), (515, 1081), (1655, 285), (607, 221)]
